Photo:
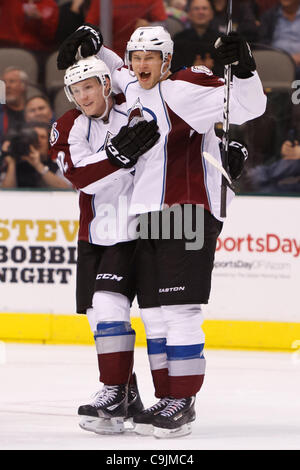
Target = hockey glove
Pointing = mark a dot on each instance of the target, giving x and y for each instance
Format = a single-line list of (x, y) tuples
[(233, 49), (131, 142), (88, 37), (237, 155)]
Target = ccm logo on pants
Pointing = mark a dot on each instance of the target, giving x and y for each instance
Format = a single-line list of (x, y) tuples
[(111, 277)]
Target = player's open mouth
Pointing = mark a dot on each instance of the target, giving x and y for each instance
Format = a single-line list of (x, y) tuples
[(144, 76)]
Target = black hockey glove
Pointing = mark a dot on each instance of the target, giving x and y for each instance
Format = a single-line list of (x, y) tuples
[(237, 156), (131, 142), (233, 48), (88, 37)]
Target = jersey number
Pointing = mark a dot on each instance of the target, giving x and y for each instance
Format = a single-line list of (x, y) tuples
[(63, 166)]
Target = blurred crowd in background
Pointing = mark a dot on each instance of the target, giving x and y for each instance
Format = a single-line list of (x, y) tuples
[(31, 31)]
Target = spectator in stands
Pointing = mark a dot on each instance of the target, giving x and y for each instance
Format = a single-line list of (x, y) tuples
[(272, 144), (281, 176), (195, 45), (127, 16), (177, 9), (30, 24), (71, 15), (264, 135), (35, 169), (295, 117), (38, 109), (12, 113), (280, 28), (177, 18), (264, 5), (244, 18)]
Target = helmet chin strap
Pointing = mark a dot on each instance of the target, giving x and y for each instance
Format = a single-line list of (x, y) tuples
[(162, 73), (106, 97), (131, 72), (105, 114)]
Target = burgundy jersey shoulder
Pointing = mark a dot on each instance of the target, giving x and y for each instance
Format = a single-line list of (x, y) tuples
[(61, 128), (60, 131), (199, 75)]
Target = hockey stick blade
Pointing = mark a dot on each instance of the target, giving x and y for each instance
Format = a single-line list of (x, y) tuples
[(217, 165)]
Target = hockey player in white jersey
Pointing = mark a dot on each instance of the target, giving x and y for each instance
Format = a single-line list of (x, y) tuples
[(173, 282), (105, 286)]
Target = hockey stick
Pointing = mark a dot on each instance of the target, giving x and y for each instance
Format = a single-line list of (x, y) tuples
[(213, 161), (225, 136)]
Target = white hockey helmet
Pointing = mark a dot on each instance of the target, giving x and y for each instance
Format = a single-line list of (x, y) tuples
[(150, 38), (83, 69)]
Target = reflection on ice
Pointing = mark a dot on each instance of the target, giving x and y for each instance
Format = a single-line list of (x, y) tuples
[(249, 400)]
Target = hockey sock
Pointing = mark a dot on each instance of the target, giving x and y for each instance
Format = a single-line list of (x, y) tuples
[(184, 349), (156, 347), (114, 338), (159, 367), (115, 346)]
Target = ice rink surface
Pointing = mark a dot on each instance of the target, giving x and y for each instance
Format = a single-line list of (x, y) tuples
[(249, 400)]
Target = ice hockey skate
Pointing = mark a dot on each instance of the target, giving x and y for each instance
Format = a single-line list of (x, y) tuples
[(143, 421), (135, 405), (175, 419), (112, 410)]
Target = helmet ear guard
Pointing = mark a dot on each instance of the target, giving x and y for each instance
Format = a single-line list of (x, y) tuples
[(69, 94)]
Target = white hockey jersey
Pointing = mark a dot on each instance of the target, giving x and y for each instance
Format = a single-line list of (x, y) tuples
[(186, 107), (77, 144)]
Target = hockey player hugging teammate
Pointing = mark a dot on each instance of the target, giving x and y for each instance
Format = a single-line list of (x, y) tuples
[(96, 150), (174, 278)]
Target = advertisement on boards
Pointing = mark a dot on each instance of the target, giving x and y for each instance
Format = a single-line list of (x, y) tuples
[(257, 262)]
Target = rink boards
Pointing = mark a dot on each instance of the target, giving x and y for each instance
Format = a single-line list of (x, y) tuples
[(254, 302)]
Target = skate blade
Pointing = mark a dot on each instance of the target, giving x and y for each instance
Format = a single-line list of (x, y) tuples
[(143, 429), (110, 426), (103, 425), (88, 424), (129, 425), (162, 433)]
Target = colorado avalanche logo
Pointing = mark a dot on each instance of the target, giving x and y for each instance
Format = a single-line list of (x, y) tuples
[(201, 69), (54, 134), (108, 138)]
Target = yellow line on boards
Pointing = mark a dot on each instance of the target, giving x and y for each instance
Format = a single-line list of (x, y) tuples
[(74, 329)]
